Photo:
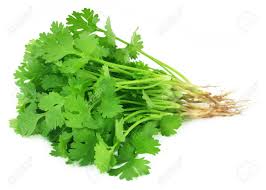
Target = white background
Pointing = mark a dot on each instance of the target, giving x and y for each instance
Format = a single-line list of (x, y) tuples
[(212, 42)]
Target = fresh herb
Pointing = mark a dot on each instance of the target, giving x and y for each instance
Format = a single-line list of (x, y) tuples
[(98, 103)]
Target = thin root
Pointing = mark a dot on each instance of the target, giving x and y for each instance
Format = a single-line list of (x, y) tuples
[(208, 105)]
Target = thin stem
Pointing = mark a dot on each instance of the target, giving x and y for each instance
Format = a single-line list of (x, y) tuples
[(162, 64), (118, 70), (143, 81), (134, 109), (135, 113), (138, 87), (91, 74), (113, 65), (165, 102), (140, 111), (153, 117), (132, 102)]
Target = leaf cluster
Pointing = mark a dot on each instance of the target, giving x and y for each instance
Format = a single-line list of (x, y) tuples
[(96, 103)]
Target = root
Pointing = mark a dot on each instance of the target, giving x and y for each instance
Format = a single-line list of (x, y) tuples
[(207, 105)]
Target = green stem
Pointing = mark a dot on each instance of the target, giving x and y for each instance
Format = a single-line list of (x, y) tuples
[(134, 109), (135, 113), (165, 102), (118, 70), (113, 65), (144, 111), (92, 75), (162, 64), (153, 117), (144, 80), (164, 107), (138, 87), (132, 102)]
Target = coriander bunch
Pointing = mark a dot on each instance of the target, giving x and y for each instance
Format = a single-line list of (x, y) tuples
[(98, 103)]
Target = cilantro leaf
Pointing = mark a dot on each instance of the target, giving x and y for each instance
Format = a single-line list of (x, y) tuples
[(54, 118), (126, 152), (73, 65), (60, 148), (133, 168), (135, 45), (105, 90), (77, 113), (57, 44), (119, 130), (27, 121), (82, 149), (49, 101), (110, 106), (121, 55), (88, 44), (169, 124), (53, 81), (142, 139), (86, 20), (109, 39), (103, 156), (74, 103), (80, 120)]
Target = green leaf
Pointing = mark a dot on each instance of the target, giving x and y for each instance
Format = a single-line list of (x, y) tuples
[(125, 152), (74, 103), (43, 130), (27, 121), (53, 81), (77, 113), (80, 120), (119, 130), (13, 123), (57, 44), (121, 55), (142, 139), (169, 124), (103, 156), (73, 65), (110, 106), (54, 118), (135, 45), (109, 39), (133, 168), (60, 148), (101, 122), (50, 100), (82, 149), (88, 44), (86, 20), (105, 91)]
